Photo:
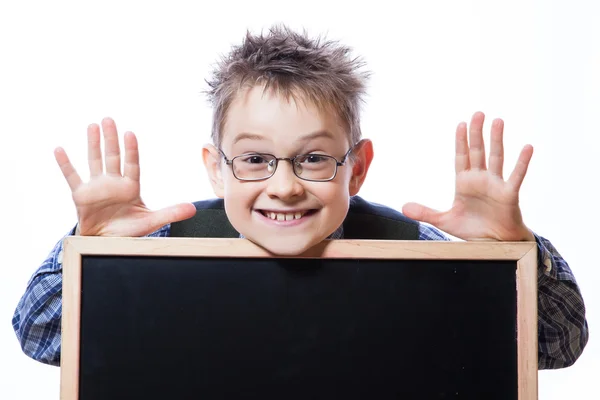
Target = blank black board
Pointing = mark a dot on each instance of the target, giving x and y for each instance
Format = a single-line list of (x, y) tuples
[(216, 328)]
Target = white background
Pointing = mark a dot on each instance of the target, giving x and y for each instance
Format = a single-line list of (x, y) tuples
[(534, 63)]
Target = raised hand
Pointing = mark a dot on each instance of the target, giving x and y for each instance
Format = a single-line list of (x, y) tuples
[(109, 204), (485, 205)]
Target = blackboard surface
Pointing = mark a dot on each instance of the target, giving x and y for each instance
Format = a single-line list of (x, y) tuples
[(215, 328)]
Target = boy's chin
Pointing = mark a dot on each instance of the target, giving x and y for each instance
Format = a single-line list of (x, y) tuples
[(288, 247)]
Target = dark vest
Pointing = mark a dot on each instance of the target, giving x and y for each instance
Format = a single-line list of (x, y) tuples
[(364, 221)]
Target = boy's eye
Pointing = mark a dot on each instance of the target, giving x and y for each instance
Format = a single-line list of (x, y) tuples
[(313, 158), (254, 159)]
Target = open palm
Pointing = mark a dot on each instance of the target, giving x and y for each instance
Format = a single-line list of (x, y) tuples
[(109, 204), (485, 205)]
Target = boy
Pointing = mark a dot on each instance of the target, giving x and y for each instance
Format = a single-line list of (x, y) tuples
[(288, 161)]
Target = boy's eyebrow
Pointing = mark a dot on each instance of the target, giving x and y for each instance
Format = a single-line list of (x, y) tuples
[(305, 138), (246, 135), (318, 134)]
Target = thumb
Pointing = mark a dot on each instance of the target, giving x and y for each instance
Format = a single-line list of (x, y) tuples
[(422, 213), (175, 213)]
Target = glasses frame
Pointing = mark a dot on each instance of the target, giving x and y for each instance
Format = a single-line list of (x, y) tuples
[(338, 163)]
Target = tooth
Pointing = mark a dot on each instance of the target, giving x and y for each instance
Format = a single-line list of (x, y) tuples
[(289, 217), (280, 217), (272, 215), (298, 215)]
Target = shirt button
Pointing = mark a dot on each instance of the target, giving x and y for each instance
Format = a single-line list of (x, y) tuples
[(548, 264)]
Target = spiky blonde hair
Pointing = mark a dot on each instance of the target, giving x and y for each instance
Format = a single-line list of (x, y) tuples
[(293, 65)]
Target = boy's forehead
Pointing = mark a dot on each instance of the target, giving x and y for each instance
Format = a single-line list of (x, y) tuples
[(256, 113)]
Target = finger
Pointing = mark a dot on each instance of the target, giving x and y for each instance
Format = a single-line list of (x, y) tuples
[(112, 153), (67, 168), (422, 213), (496, 163), (516, 177), (461, 162), (94, 152), (131, 168), (476, 146), (175, 213)]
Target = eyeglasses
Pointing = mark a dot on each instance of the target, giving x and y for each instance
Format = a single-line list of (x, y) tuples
[(312, 167)]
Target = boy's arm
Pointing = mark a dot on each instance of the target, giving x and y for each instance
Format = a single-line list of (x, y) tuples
[(562, 327), (109, 204), (37, 319)]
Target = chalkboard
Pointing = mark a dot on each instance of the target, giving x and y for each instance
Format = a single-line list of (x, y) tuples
[(351, 327)]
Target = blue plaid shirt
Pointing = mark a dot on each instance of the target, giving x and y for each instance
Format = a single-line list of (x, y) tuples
[(562, 327)]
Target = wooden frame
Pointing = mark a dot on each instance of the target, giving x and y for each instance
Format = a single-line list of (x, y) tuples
[(523, 253)]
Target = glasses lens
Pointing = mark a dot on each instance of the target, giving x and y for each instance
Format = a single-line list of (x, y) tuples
[(315, 167), (253, 166)]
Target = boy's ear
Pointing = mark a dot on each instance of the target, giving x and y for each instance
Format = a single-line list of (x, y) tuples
[(212, 163), (362, 157)]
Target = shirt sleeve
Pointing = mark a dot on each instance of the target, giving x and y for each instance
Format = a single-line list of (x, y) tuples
[(562, 326), (37, 318)]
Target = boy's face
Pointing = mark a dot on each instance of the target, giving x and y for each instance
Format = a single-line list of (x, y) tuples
[(285, 214)]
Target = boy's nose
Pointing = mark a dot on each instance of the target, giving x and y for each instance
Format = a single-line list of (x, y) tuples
[(284, 184)]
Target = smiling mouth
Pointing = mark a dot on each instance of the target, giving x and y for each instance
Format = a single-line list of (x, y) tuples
[(285, 216)]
